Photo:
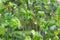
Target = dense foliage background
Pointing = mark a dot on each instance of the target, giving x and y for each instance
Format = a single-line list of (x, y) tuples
[(29, 20)]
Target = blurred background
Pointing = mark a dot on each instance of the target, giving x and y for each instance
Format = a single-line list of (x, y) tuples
[(29, 19)]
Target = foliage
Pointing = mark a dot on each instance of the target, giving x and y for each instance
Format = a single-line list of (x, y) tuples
[(29, 20)]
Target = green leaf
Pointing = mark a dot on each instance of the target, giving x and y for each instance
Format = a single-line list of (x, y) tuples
[(56, 38), (23, 11), (7, 16), (58, 10), (27, 38), (2, 7), (15, 22), (54, 2), (41, 13), (2, 30), (45, 1)]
